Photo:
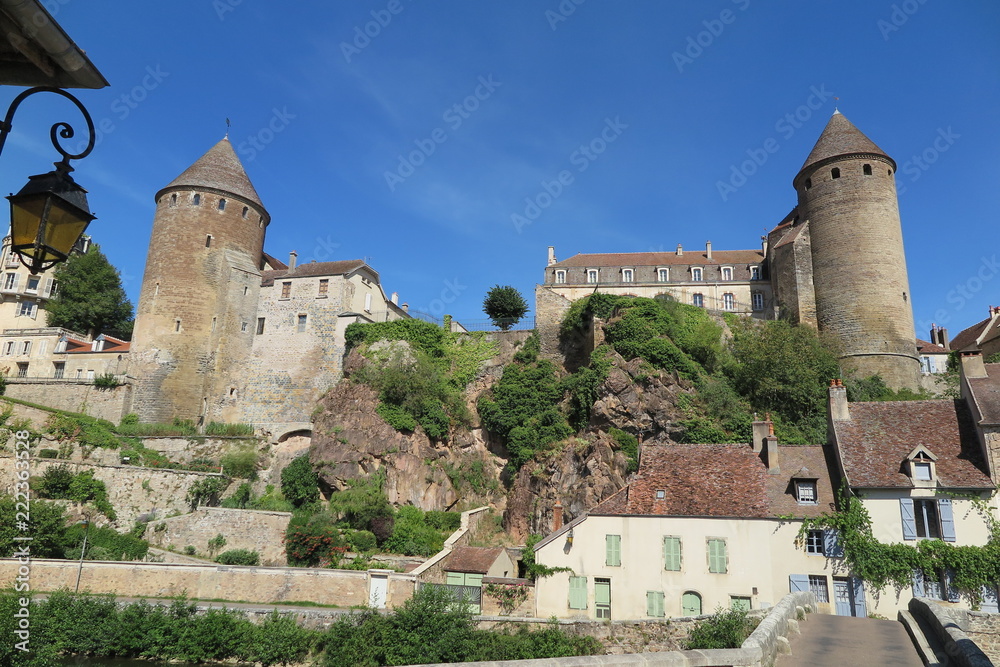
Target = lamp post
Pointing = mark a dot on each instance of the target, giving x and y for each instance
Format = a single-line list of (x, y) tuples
[(50, 213), (83, 551)]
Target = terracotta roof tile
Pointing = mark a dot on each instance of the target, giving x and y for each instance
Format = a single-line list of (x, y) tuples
[(925, 347), (218, 169), (662, 258), (879, 436), (967, 337), (840, 137), (313, 269), (274, 263), (477, 560), (986, 392)]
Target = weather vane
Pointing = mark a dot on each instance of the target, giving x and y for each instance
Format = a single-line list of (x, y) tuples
[(228, 125)]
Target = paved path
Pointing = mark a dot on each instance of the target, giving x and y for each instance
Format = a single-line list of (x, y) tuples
[(843, 641)]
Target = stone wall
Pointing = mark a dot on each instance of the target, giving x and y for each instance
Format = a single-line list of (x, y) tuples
[(550, 308), (74, 396), (255, 530), (432, 571), (490, 606), (132, 491), (264, 585), (984, 629), (955, 629)]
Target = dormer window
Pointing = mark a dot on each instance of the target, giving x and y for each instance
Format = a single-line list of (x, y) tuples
[(805, 491), (921, 464), (592, 276), (627, 275), (560, 277), (754, 273), (663, 275), (696, 274), (727, 273)]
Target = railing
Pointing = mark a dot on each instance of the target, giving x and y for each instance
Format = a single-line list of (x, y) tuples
[(524, 324)]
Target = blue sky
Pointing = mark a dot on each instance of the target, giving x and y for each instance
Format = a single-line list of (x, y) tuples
[(417, 146)]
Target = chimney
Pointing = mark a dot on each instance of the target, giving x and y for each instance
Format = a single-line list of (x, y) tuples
[(708, 249), (394, 298), (405, 307), (771, 450), (680, 250), (292, 256), (557, 516), (552, 255), (763, 245), (838, 401), (939, 336), (760, 432), (972, 364)]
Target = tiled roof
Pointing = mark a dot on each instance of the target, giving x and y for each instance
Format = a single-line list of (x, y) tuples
[(840, 137), (721, 481), (790, 236), (986, 392), (662, 258), (477, 560), (313, 269), (879, 436), (924, 347), (967, 337), (218, 169), (274, 262)]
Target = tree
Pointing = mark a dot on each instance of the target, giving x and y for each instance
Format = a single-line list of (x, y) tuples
[(299, 482), (90, 298), (505, 306)]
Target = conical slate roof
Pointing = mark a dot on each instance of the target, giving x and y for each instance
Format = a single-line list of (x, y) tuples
[(218, 169), (840, 137)]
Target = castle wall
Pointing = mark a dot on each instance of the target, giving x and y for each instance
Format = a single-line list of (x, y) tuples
[(195, 317), (859, 269), (74, 396), (792, 275), (255, 530)]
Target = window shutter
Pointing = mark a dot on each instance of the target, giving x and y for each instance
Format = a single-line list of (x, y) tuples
[(717, 556), (578, 592), (859, 597), (17, 278), (672, 553), (947, 520), (918, 584), (455, 579), (952, 591), (909, 525), (48, 287), (831, 544), (798, 582), (613, 544), (654, 604)]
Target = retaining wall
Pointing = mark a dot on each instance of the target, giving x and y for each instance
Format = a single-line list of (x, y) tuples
[(255, 530), (955, 628)]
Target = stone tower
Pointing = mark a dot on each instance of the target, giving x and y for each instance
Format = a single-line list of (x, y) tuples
[(847, 198), (195, 320)]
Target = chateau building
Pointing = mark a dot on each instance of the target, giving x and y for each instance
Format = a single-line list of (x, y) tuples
[(834, 262)]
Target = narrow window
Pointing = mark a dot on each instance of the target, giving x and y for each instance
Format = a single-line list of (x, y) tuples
[(177, 325), (727, 273), (758, 301), (717, 558), (654, 604), (26, 347), (592, 275), (754, 273), (245, 290), (156, 290), (627, 275), (59, 369), (560, 277), (222, 204), (817, 584), (286, 290), (324, 286), (208, 241), (698, 300), (835, 172), (368, 302), (243, 327), (246, 210), (22, 370), (43, 346), (672, 554), (867, 169), (260, 325), (213, 325), (613, 549), (809, 183), (728, 301), (696, 274), (302, 322), (663, 275), (889, 171), (196, 200), (173, 202)]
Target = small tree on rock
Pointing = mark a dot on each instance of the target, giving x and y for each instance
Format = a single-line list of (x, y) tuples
[(505, 306)]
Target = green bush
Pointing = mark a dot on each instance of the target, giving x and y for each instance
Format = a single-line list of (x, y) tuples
[(449, 521), (629, 444), (241, 499), (299, 482), (420, 335), (240, 462), (412, 536), (189, 550), (724, 629), (230, 430), (59, 483), (206, 491), (48, 453), (107, 541), (216, 543), (107, 381), (239, 557), (362, 541), (46, 526), (313, 541)]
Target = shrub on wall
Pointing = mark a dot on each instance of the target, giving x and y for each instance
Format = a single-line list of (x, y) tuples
[(299, 482), (239, 557)]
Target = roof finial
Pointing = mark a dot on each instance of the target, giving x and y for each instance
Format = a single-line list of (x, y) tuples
[(836, 110), (228, 124)]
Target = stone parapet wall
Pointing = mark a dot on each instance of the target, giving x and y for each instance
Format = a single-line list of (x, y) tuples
[(952, 625), (74, 396), (984, 630), (263, 585), (254, 530)]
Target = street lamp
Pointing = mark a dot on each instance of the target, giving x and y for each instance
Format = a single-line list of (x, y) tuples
[(50, 212)]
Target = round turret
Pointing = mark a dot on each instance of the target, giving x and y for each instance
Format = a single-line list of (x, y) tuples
[(196, 312), (847, 194)]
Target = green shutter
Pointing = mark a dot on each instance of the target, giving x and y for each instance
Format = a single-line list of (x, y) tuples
[(717, 556), (578, 592), (654, 604), (672, 554), (613, 546), (602, 592), (473, 579), (455, 578)]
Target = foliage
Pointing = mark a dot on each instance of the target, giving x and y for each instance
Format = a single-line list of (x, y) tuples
[(362, 541), (412, 536), (471, 472), (508, 596), (87, 431), (420, 335), (583, 385), (240, 462), (58, 483), (433, 626), (206, 491), (176, 427), (229, 430), (299, 482), (90, 299), (724, 629), (97, 626), (104, 543), (414, 389), (107, 381), (216, 543), (466, 353), (363, 506), (313, 541), (629, 444), (971, 567), (239, 557), (532, 568), (46, 526), (272, 501), (505, 306), (447, 521)]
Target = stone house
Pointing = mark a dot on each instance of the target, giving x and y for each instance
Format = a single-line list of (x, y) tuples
[(983, 335), (23, 295)]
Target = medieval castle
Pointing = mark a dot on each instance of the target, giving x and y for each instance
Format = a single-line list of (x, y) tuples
[(226, 332)]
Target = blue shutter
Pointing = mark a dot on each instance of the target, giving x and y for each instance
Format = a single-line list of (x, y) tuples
[(831, 544), (860, 607), (918, 584), (909, 525), (989, 604), (798, 582), (947, 519), (952, 592)]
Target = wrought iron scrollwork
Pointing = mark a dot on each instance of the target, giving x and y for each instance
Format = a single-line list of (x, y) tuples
[(60, 130)]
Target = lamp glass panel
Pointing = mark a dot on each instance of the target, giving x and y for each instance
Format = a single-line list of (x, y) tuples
[(25, 216), (64, 227)]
